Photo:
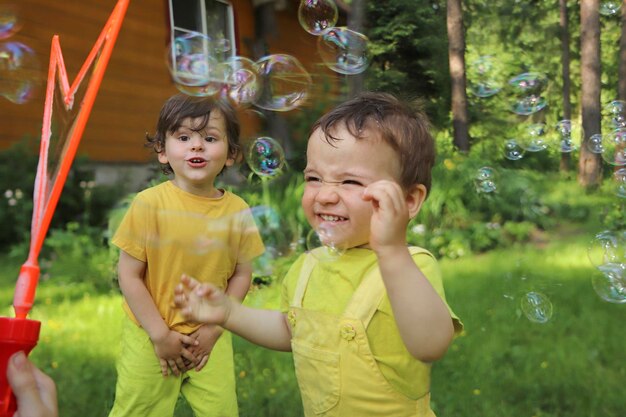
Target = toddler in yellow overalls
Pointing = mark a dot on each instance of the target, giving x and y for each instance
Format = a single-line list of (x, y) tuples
[(365, 327)]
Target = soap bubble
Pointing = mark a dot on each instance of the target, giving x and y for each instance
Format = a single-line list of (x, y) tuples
[(512, 150), (9, 21), (323, 244), (614, 147), (610, 284), (482, 76), (533, 138), (243, 84), (609, 7), (485, 180), (196, 64), (564, 142), (19, 72), (619, 179), (615, 114), (528, 88), (315, 16), (594, 144), (285, 83), (265, 157), (343, 50), (607, 247), (536, 307)]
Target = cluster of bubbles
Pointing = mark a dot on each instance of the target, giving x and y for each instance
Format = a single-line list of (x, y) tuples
[(19, 65), (343, 50), (526, 88), (536, 137), (607, 253), (485, 180), (201, 66)]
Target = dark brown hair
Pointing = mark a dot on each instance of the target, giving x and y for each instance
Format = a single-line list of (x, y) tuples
[(404, 127), (179, 107)]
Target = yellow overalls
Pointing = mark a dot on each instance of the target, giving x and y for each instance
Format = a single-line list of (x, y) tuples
[(335, 368)]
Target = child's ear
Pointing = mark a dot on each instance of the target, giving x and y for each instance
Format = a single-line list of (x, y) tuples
[(162, 157), (230, 161), (414, 199)]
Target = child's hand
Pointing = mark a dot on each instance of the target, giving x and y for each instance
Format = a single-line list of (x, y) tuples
[(206, 336), (172, 352), (391, 214), (202, 303)]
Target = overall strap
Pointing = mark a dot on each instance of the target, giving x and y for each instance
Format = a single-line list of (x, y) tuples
[(369, 294), (303, 280)]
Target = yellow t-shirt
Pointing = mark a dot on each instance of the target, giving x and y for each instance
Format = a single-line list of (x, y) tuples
[(331, 286), (177, 232)]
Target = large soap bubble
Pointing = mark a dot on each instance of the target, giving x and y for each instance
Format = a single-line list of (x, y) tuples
[(533, 138), (9, 21), (19, 72), (285, 84), (614, 114), (482, 77), (607, 247), (614, 147), (196, 64), (344, 50), (315, 16), (610, 283), (242, 82)]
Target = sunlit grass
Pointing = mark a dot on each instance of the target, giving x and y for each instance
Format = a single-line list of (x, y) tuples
[(502, 365)]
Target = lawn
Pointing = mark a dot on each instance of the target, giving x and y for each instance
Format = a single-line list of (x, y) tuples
[(502, 365)]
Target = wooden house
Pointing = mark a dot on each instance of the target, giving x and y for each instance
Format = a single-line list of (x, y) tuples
[(137, 80)]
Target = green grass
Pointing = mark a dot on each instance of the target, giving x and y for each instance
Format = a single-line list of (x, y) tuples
[(502, 365)]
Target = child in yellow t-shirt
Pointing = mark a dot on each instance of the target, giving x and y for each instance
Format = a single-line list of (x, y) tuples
[(365, 327), (185, 225)]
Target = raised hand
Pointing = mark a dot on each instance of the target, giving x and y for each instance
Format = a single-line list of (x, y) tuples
[(391, 214), (202, 303)]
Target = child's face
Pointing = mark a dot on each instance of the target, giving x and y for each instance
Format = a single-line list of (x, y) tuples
[(336, 176), (197, 157)]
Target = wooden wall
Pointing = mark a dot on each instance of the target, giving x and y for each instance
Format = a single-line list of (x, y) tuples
[(137, 80)]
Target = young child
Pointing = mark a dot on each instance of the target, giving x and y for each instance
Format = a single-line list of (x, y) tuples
[(185, 225), (364, 328)]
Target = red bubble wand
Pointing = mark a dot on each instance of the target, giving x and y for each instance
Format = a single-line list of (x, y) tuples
[(20, 333)]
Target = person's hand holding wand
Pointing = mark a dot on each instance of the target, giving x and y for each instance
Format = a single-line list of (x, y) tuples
[(35, 391)]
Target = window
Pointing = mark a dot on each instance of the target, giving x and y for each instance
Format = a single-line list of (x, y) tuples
[(213, 18)]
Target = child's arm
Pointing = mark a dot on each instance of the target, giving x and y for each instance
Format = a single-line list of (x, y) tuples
[(207, 335), (206, 303), (168, 344), (422, 317)]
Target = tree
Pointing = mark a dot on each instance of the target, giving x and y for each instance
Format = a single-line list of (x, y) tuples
[(456, 51), (621, 87), (356, 18), (565, 60), (590, 166)]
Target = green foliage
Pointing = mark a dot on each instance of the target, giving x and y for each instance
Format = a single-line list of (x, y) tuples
[(81, 199), (78, 255), (407, 38)]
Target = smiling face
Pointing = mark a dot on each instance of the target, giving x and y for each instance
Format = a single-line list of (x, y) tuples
[(336, 176), (197, 156)]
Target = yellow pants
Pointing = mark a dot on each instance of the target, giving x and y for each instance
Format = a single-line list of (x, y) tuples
[(142, 390)]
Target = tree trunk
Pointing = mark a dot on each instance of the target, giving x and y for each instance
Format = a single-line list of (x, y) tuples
[(356, 22), (456, 51), (565, 60), (621, 86), (590, 164)]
